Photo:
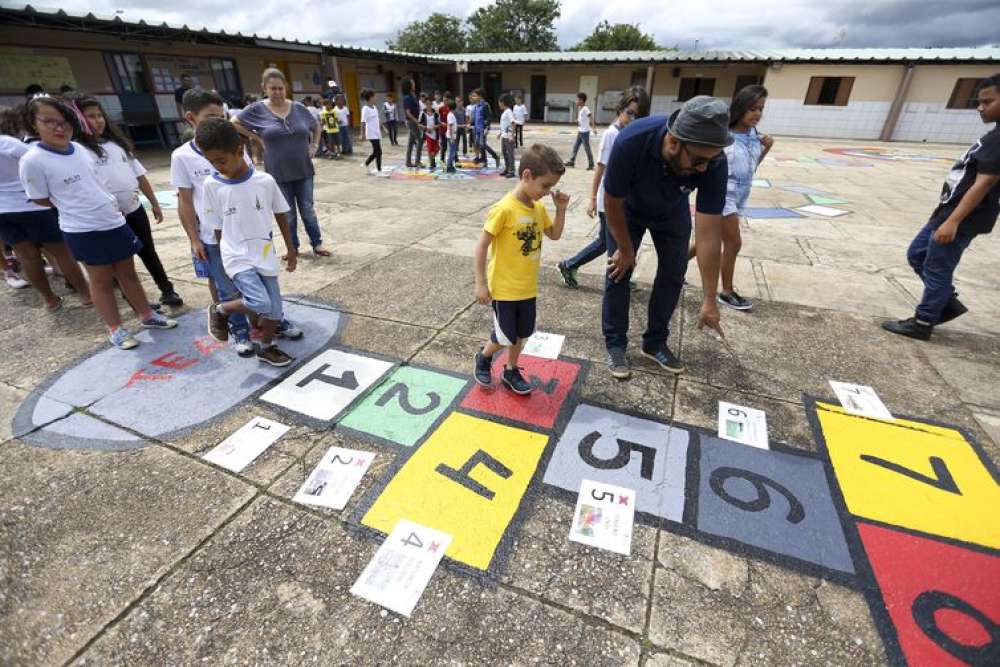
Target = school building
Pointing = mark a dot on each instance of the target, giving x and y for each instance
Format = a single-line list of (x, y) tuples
[(135, 67)]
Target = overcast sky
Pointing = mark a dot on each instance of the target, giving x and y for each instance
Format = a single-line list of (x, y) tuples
[(729, 24)]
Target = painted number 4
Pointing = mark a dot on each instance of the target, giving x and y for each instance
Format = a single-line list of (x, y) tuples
[(413, 540)]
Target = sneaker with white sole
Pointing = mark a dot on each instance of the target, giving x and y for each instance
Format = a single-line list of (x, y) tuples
[(734, 301), (158, 321), (15, 281), (617, 363), (244, 346), (665, 359), (274, 356), (122, 339), (288, 330)]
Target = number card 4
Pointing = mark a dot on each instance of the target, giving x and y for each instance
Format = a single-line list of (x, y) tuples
[(333, 481), (397, 575), (604, 517)]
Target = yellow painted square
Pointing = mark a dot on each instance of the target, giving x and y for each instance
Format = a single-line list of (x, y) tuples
[(874, 492), (421, 494)]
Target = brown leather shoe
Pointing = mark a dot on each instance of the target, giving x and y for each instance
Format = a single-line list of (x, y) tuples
[(274, 355), (218, 325)]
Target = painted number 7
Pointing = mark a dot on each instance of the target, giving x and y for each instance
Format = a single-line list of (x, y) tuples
[(619, 460)]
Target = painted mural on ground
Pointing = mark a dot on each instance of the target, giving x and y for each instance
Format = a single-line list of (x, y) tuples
[(905, 511), (466, 169), (888, 154)]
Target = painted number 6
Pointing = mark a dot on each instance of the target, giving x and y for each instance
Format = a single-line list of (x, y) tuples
[(717, 480)]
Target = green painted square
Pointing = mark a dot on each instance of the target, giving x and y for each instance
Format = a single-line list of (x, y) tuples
[(405, 405), (820, 199)]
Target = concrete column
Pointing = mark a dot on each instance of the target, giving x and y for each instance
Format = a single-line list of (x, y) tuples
[(461, 85), (897, 104), (649, 79)]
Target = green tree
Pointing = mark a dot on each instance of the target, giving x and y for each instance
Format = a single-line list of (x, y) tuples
[(439, 33), (514, 25), (617, 37)]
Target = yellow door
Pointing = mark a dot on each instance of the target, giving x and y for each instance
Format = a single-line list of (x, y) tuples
[(351, 91)]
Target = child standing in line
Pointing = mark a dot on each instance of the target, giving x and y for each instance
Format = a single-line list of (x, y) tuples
[(452, 135), (331, 129), (481, 120), (244, 204), (344, 125), (58, 172), (969, 205), (470, 112), (520, 118), (584, 124), (124, 176), (507, 134), (743, 156), (442, 111), (188, 169), (429, 122), (460, 120), (512, 236), (372, 129), (391, 123)]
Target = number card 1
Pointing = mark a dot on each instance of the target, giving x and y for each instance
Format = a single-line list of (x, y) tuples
[(240, 449), (334, 479), (604, 517), (397, 575)]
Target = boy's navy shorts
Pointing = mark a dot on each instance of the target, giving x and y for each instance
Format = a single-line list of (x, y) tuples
[(513, 320)]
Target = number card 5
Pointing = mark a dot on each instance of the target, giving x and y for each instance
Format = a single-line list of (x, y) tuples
[(604, 517)]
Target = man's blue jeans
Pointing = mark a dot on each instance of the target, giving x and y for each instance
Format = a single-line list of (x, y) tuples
[(597, 247), (935, 264)]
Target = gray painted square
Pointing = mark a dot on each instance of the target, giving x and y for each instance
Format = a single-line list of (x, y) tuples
[(658, 475), (813, 534)]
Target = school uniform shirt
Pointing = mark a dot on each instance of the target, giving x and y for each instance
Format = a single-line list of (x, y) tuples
[(369, 116), (520, 114), (343, 115), (389, 109), (69, 180), (13, 198), (244, 209), (328, 121), (583, 120), (119, 173), (429, 120), (983, 157), (603, 156), (516, 255), (507, 124), (188, 169), (470, 114), (452, 126)]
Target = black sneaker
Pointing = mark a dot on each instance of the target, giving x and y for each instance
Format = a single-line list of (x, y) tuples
[(590, 168), (954, 308), (911, 328), (172, 299), (513, 380), (666, 359), (734, 301), (274, 355), (617, 363), (484, 369), (568, 275), (569, 163)]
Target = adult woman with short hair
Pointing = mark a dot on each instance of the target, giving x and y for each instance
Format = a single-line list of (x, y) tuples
[(289, 136)]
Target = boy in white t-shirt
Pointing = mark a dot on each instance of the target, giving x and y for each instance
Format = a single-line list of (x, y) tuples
[(344, 123), (507, 134), (371, 127), (242, 204), (452, 135), (585, 122), (520, 118)]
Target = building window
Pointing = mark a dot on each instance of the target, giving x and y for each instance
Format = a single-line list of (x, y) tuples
[(744, 80), (227, 81), (638, 78), (829, 90), (127, 72), (963, 96), (693, 86)]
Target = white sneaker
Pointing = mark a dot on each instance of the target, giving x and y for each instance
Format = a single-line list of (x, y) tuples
[(382, 174), (373, 172), (15, 281)]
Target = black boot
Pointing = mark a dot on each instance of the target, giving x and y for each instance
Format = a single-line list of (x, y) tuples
[(954, 308), (911, 328)]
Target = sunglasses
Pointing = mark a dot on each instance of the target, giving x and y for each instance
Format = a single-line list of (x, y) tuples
[(697, 160)]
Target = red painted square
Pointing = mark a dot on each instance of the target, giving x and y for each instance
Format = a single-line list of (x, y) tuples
[(551, 378), (943, 599)]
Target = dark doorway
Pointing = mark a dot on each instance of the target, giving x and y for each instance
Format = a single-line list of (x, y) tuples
[(492, 87), (537, 97)]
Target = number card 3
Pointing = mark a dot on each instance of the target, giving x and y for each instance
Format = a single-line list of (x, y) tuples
[(397, 575), (333, 481), (604, 517)]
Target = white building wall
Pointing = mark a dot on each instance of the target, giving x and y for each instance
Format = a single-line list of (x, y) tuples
[(931, 121), (856, 120)]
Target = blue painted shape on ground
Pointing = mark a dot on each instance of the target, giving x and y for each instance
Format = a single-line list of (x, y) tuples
[(69, 434), (772, 213), (174, 380), (758, 513), (804, 190)]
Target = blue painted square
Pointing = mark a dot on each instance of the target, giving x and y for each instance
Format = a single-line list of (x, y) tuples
[(771, 500), (772, 213)]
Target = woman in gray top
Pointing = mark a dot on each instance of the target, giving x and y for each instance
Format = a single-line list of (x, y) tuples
[(289, 137)]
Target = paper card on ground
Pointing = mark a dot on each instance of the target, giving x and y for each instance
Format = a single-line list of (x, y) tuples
[(761, 183), (604, 516), (861, 400), (333, 481), (240, 449), (825, 211), (545, 345), (744, 425), (398, 573)]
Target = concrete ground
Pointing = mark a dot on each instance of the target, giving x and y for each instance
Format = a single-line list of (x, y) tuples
[(153, 556)]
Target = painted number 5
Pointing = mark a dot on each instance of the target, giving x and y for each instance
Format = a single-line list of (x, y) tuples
[(621, 459)]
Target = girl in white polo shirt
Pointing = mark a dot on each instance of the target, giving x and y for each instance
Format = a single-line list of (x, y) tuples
[(58, 172), (124, 176)]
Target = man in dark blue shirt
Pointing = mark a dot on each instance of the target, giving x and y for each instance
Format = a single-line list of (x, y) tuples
[(653, 167), (412, 111)]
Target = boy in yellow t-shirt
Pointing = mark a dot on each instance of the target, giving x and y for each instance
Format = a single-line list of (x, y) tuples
[(513, 236), (331, 130)]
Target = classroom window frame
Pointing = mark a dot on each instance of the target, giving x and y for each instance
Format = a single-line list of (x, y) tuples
[(224, 69), (692, 86), (829, 91), (638, 78), (744, 80), (964, 95)]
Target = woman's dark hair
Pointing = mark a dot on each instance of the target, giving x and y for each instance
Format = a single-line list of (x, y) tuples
[(69, 115), (12, 122), (111, 131), (635, 94), (743, 100)]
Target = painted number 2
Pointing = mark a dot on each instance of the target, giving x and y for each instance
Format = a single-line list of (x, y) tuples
[(796, 512), (621, 459), (403, 392)]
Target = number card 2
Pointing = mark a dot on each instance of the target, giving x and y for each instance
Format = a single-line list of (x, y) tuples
[(604, 517), (397, 575), (333, 481)]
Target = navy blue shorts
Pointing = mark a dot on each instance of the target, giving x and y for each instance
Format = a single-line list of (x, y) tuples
[(102, 248), (512, 320), (33, 226)]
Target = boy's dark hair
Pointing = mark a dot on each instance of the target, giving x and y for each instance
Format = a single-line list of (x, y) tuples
[(424, 97), (541, 160), (68, 114), (507, 100), (635, 94), (743, 100), (367, 94), (12, 121), (582, 96), (111, 131), (217, 134), (34, 89), (993, 81), (196, 99)]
